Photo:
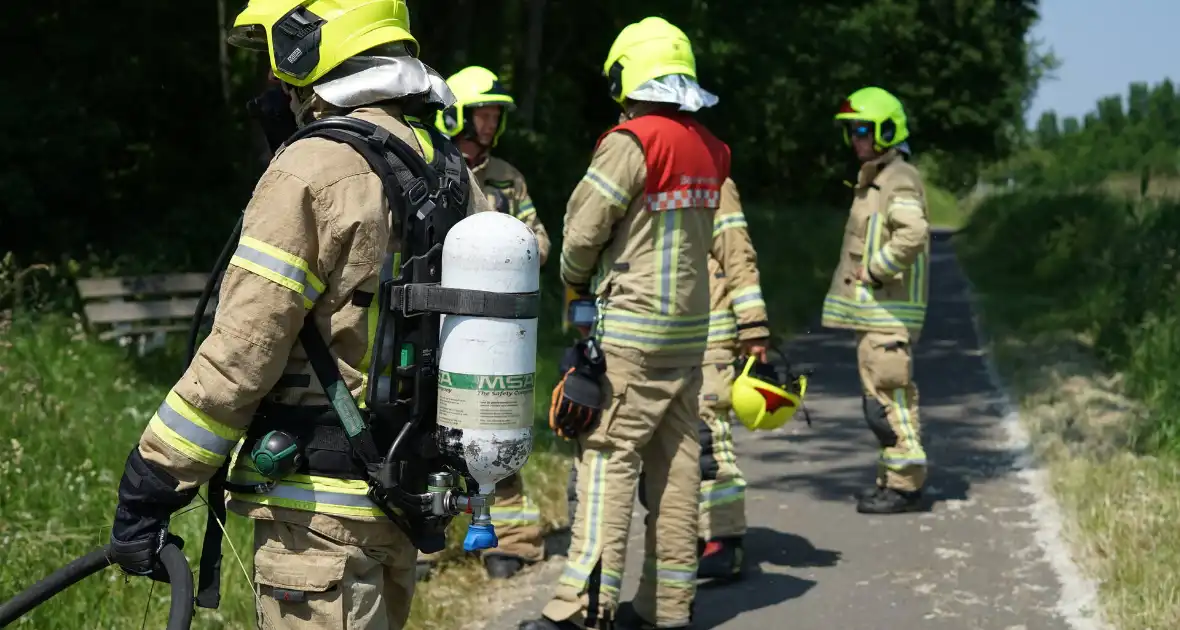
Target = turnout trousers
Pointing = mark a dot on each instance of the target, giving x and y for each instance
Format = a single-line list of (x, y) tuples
[(723, 489), (650, 425), (347, 575), (890, 402)]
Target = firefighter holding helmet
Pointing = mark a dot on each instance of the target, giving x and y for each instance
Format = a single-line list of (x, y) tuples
[(475, 122), (879, 291), (316, 240), (637, 237)]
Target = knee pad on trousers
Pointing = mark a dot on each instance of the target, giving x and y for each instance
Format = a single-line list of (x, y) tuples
[(709, 466), (877, 417)]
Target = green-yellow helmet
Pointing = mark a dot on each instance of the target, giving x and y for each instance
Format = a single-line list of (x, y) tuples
[(474, 87), (880, 108), (646, 50), (305, 39)]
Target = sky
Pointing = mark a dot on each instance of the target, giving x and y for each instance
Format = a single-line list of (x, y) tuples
[(1104, 45)]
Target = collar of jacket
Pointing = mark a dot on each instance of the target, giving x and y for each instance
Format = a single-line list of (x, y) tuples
[(871, 169), (483, 164)]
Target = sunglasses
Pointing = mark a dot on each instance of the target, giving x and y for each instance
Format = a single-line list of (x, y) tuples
[(858, 129)]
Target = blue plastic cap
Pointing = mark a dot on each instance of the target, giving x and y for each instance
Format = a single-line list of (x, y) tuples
[(480, 537)]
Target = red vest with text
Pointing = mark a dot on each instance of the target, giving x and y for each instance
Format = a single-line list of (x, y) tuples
[(686, 163)]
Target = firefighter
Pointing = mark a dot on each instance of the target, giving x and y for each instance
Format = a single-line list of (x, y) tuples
[(475, 122), (879, 291), (738, 315), (638, 240), (315, 239)]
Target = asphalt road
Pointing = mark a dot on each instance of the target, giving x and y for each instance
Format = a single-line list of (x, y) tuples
[(981, 559)]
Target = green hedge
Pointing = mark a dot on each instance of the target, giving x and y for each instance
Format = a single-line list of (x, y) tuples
[(1095, 265)]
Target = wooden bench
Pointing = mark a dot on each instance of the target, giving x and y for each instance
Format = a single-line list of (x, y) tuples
[(136, 308)]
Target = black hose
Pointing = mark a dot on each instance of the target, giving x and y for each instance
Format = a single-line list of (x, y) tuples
[(180, 613), (57, 582), (219, 268), (180, 610)]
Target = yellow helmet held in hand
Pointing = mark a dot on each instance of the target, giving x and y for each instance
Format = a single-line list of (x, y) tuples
[(879, 112), (307, 38), (646, 50), (760, 402), (474, 87)]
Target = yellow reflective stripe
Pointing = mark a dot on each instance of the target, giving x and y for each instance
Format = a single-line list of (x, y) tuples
[(193, 432), (667, 258), (839, 310), (675, 575), (526, 209), (606, 187), (572, 269), (716, 493), (747, 298), (527, 513), (322, 495), (577, 569), (651, 331), (423, 138), (915, 455), (611, 581), (278, 266), (916, 281), (722, 326), (729, 222)]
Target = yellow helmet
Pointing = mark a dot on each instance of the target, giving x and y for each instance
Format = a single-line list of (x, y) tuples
[(474, 86), (305, 39), (646, 50), (876, 111), (760, 403)]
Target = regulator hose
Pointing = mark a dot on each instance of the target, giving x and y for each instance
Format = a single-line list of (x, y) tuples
[(180, 612)]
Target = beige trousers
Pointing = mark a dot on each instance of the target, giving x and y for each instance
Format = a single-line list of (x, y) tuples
[(890, 404), (650, 425), (347, 577)]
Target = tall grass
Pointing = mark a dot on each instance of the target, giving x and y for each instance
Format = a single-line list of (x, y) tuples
[(1105, 268)]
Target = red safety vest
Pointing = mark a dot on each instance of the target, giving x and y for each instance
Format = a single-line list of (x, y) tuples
[(686, 163)]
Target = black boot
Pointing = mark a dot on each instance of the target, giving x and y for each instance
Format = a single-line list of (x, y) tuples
[(545, 623), (890, 501), (721, 559), (502, 567), (869, 493)]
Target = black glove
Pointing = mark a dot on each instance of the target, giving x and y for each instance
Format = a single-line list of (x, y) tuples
[(577, 400), (147, 498)]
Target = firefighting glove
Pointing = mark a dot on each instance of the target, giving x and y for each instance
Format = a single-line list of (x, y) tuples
[(147, 498), (577, 400)]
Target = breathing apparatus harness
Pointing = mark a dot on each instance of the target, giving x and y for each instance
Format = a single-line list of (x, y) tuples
[(415, 476)]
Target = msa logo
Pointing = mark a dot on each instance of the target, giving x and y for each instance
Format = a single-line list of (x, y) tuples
[(511, 381), (294, 56)]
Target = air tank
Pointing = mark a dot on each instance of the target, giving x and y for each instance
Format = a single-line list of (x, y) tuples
[(487, 365)]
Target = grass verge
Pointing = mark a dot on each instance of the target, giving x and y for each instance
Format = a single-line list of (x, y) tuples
[(1069, 292)]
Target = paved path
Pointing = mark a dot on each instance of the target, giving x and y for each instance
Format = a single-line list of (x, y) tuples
[(973, 562)]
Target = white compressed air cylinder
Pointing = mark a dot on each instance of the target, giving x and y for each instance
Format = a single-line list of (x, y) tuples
[(487, 366)]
